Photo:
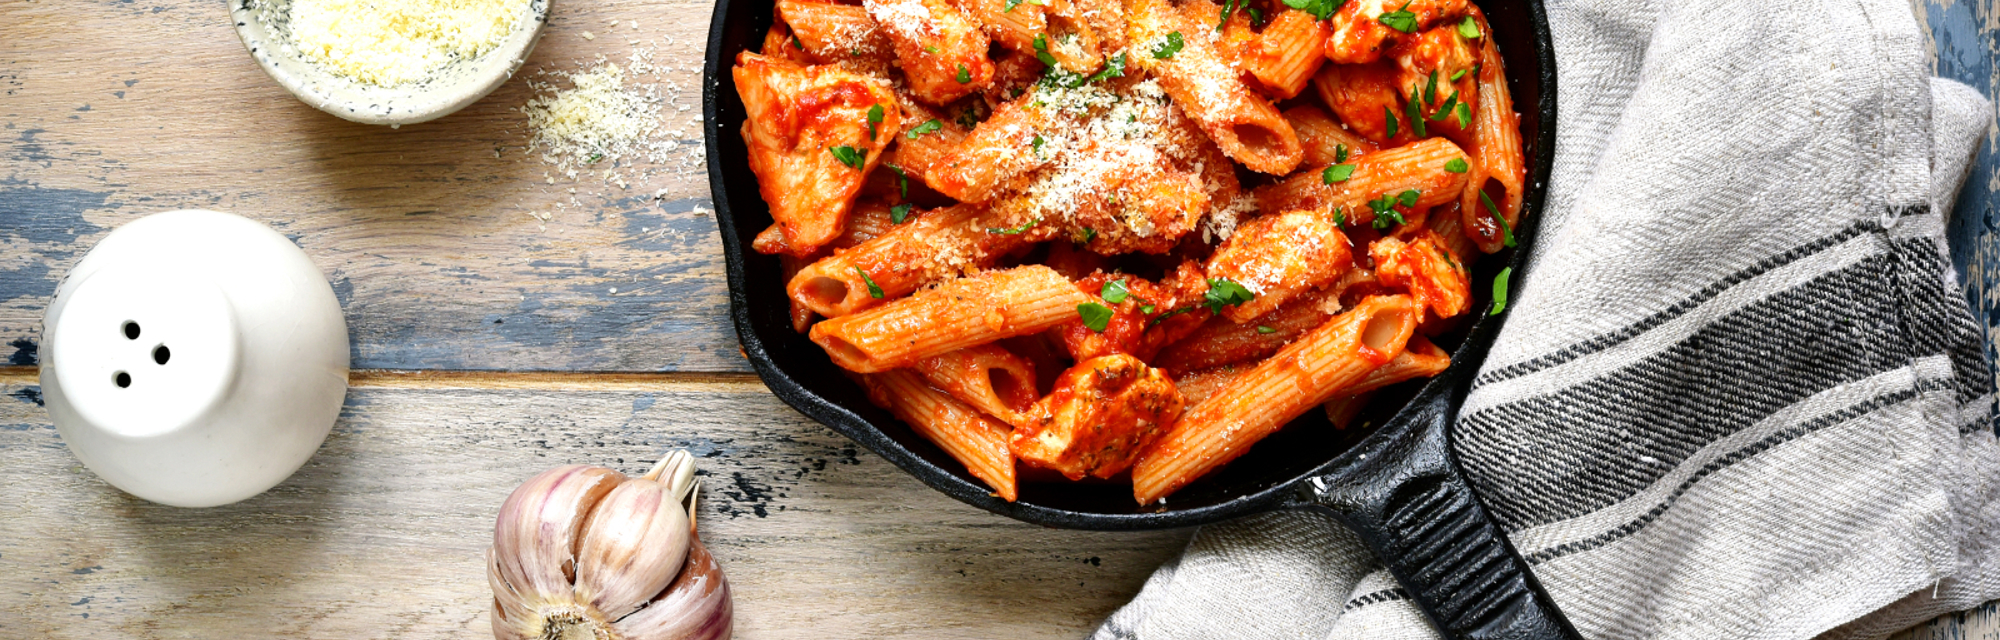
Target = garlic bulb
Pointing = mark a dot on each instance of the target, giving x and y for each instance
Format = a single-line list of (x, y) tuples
[(587, 553)]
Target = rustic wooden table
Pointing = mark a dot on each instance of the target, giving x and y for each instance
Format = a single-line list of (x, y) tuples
[(502, 322)]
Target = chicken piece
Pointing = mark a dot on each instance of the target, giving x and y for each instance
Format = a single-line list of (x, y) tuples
[(1437, 56), (1425, 268), (1278, 257), (1102, 414), (812, 143), (1365, 30), (1364, 97), (941, 50)]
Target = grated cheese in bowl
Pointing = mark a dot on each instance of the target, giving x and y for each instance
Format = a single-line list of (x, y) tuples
[(393, 42)]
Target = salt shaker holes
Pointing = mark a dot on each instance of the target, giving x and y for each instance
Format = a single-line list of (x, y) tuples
[(131, 330), (160, 354), (123, 379)]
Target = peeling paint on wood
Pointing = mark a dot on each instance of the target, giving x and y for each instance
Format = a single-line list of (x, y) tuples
[(1965, 40), (446, 241)]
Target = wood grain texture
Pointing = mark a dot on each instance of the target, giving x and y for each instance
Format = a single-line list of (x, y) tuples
[(381, 535), (446, 242)]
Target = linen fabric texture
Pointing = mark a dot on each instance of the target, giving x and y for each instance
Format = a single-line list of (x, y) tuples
[(1740, 394)]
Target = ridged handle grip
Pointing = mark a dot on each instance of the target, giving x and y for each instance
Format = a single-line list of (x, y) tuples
[(1406, 499)]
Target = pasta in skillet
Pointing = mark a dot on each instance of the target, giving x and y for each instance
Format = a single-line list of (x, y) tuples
[(1128, 238)]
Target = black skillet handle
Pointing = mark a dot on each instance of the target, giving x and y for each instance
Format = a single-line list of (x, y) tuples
[(1407, 500)]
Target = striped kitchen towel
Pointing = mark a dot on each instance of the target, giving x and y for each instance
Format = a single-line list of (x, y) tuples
[(1741, 395)]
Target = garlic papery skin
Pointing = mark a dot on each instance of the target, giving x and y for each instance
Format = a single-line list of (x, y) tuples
[(587, 553)]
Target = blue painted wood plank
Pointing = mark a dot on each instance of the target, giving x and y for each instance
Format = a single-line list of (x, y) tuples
[(1967, 44)]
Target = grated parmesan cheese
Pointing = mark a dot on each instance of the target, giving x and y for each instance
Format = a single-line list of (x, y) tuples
[(395, 42)]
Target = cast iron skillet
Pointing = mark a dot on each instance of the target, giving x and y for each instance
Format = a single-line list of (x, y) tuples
[(1397, 486)]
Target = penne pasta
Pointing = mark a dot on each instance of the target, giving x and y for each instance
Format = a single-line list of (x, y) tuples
[(1325, 142), (1206, 86), (936, 245), (979, 442), (987, 377), (1323, 363), (1220, 341), (1102, 414), (1418, 166), (1197, 387), (1498, 181), (960, 313), (1284, 57), (1277, 257)]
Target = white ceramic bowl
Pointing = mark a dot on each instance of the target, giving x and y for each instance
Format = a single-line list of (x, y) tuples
[(262, 26), (194, 358)]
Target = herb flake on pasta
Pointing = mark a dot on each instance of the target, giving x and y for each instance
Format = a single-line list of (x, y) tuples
[(1095, 316), (848, 156), (873, 290)]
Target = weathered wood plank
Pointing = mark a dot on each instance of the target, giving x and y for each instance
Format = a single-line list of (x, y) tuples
[(430, 233), (381, 534), (1965, 39)]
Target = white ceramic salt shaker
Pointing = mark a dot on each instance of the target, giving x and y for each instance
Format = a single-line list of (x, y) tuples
[(194, 358)]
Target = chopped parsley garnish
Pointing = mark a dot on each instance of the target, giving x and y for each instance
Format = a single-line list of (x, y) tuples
[(1457, 165), (1223, 292), (1385, 219), (1431, 88), (1339, 153), (1401, 19), (1113, 68), (1444, 110), (899, 213), (1016, 230), (1169, 314), (929, 126), (1114, 291), (1010, 6), (1409, 197), (1146, 309), (930, 49), (874, 120), (1339, 216), (594, 158), (1500, 291), (1468, 29), (1265, 329), (1506, 232), (1337, 173), (1389, 116), (902, 181), (1089, 234), (795, 42), (1165, 50), (1256, 17), (1095, 316), (1037, 144), (1319, 9), (1455, 75), (964, 75), (1464, 113), (1414, 111), (1227, 9), (848, 156), (873, 291), (967, 118)]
